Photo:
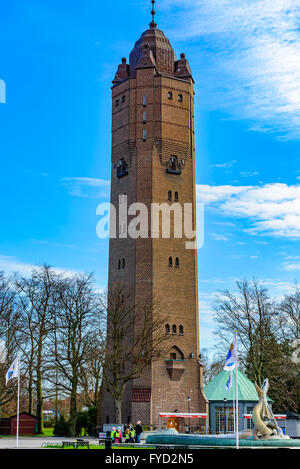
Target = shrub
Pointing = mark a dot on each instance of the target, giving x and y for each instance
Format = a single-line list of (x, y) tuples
[(82, 423), (62, 427), (49, 423)]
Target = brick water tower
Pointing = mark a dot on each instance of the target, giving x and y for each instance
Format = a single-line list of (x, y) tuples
[(153, 161)]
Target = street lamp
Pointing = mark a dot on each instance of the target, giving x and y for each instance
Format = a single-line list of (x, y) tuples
[(189, 410), (225, 416)]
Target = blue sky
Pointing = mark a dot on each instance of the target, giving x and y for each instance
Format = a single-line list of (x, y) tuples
[(58, 59)]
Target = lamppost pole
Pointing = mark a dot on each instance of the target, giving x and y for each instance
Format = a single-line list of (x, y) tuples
[(189, 408), (225, 416)]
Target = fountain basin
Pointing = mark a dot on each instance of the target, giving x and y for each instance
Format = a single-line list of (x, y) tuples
[(216, 441)]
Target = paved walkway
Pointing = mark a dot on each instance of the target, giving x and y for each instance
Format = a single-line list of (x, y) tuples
[(36, 442)]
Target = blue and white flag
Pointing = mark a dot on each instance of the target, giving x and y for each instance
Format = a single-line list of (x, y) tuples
[(13, 371), (231, 358), (229, 383)]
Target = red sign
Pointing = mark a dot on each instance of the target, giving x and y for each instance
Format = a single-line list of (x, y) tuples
[(277, 417), (187, 416)]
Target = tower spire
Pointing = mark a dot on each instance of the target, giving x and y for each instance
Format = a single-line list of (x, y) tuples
[(153, 24)]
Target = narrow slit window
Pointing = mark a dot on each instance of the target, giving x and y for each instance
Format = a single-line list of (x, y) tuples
[(176, 197), (181, 329), (145, 101), (123, 264), (174, 329), (180, 98), (170, 95), (145, 116), (177, 265), (144, 134), (170, 195), (167, 329), (170, 262)]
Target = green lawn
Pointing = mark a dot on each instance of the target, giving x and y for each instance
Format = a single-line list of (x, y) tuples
[(47, 432)]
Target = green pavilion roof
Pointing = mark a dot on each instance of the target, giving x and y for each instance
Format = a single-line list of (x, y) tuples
[(215, 390)]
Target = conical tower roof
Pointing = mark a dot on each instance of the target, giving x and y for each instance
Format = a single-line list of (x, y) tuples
[(159, 45), (215, 390)]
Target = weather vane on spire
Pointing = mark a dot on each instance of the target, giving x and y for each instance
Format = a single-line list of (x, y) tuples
[(153, 24)]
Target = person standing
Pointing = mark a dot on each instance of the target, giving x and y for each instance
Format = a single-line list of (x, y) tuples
[(118, 436), (132, 435), (112, 434), (127, 435), (138, 431)]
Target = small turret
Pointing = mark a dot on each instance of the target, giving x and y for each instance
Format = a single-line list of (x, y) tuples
[(182, 68), (122, 72)]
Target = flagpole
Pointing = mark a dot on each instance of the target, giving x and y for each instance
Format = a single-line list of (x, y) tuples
[(237, 394), (18, 404), (233, 403)]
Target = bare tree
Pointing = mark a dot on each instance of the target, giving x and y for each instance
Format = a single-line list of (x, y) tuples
[(255, 318), (92, 372), (37, 303), (264, 351), (8, 334), (135, 336), (290, 340), (73, 342), (211, 366), (290, 309)]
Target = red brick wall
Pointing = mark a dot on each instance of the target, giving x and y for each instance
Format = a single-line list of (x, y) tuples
[(170, 131)]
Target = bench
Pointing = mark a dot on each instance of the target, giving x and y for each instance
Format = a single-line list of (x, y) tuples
[(79, 443), (170, 447), (67, 444), (82, 443), (102, 438)]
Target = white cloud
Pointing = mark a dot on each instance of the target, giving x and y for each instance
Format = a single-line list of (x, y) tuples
[(208, 194), (219, 237), (272, 209), (248, 61), (54, 244), (11, 264), (226, 165), (249, 173), (291, 267), (87, 187)]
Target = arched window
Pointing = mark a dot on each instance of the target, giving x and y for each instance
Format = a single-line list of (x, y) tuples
[(173, 162), (176, 197), (174, 329), (170, 262), (119, 264), (167, 328), (123, 264), (180, 329), (176, 353), (170, 195), (177, 262)]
